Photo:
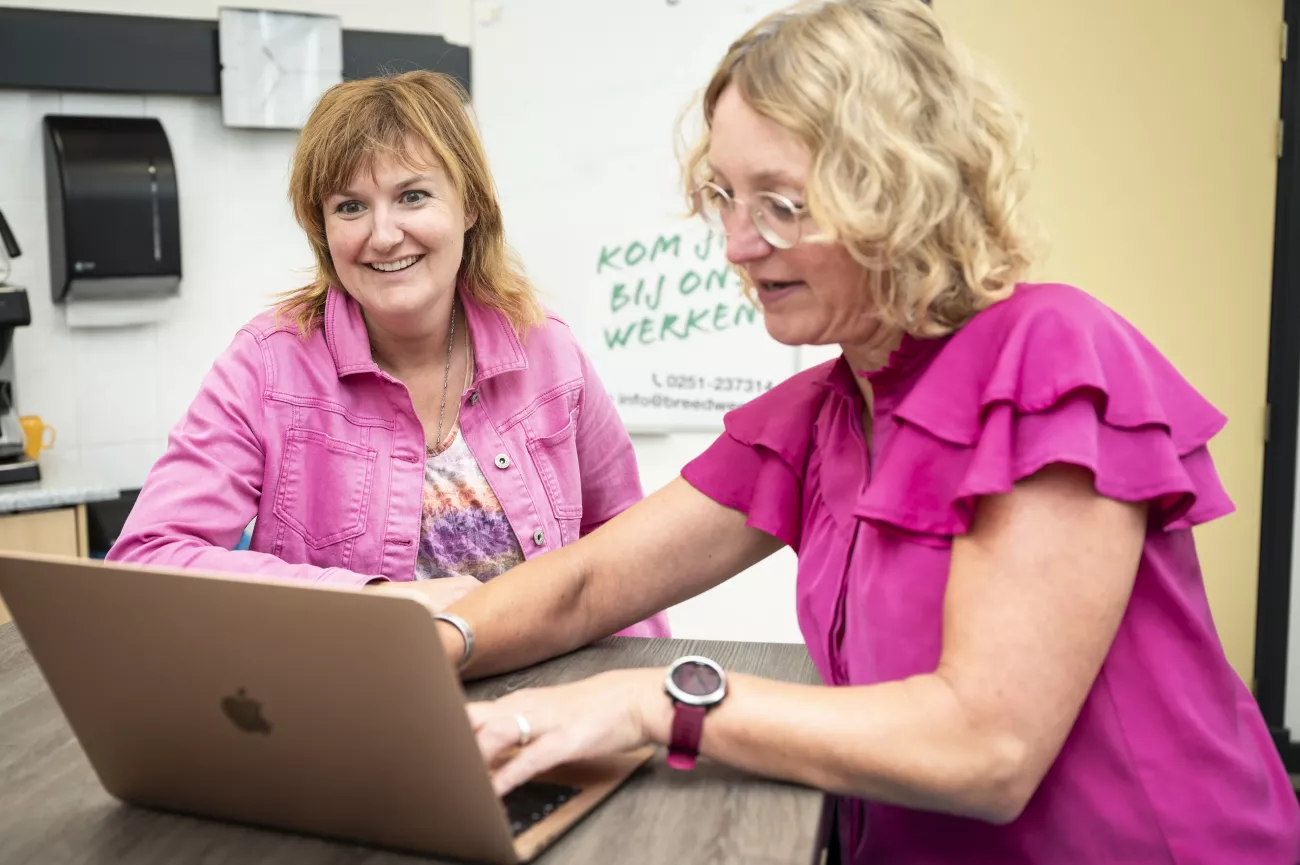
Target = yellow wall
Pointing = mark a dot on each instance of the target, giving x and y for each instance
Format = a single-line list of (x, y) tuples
[(1154, 127)]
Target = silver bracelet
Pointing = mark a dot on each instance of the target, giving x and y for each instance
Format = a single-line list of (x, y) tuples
[(466, 634)]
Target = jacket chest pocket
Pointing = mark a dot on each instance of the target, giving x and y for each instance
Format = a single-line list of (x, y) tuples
[(553, 445), (323, 492)]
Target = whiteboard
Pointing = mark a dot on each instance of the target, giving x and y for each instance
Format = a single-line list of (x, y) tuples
[(578, 103)]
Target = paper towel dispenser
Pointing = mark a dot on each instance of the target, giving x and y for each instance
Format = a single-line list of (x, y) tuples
[(113, 211)]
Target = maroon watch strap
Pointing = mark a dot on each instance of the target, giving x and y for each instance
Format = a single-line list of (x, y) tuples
[(688, 725)]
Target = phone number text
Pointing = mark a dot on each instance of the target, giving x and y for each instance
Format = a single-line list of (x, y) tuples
[(714, 384)]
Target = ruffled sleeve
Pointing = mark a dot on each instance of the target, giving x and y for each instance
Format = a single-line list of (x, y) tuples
[(1049, 375), (758, 463)]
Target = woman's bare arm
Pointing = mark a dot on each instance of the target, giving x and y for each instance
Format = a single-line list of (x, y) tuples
[(670, 546)]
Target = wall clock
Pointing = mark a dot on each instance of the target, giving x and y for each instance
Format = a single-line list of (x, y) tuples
[(276, 65)]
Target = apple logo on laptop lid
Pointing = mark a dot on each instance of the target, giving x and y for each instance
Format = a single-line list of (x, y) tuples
[(245, 713)]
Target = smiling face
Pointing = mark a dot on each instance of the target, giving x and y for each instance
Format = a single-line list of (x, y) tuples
[(396, 236), (813, 293)]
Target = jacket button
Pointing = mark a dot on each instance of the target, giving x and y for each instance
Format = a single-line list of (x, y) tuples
[(473, 397), (539, 538), (502, 461)]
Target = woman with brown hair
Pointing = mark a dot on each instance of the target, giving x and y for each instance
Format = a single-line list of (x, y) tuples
[(411, 414)]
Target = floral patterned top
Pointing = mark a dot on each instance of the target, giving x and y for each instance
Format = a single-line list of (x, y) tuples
[(463, 528)]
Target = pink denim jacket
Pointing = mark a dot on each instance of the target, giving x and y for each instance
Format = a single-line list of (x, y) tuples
[(325, 449)]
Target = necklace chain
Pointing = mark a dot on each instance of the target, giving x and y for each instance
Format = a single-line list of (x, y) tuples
[(446, 376)]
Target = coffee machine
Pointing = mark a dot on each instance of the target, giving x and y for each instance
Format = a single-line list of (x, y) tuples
[(15, 467)]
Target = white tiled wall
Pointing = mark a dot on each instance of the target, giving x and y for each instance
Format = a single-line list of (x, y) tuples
[(113, 394)]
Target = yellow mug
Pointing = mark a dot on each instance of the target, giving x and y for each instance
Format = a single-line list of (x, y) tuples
[(34, 431)]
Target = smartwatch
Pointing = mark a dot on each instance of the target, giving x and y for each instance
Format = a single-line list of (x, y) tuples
[(696, 685)]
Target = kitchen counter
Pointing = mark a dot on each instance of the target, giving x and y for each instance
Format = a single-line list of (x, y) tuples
[(49, 516), (62, 484)]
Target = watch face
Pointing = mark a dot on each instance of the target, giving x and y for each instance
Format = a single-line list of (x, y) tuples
[(696, 679)]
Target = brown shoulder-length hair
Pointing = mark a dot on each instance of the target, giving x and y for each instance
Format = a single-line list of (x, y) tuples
[(356, 121)]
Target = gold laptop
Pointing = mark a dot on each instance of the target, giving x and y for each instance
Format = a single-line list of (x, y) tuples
[(326, 711)]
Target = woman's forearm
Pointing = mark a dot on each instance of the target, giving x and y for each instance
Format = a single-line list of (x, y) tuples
[(532, 612), (666, 548), (906, 743)]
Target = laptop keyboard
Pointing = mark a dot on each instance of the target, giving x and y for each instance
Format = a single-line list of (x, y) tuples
[(528, 804)]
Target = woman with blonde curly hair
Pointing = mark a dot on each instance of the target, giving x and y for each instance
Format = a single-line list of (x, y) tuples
[(411, 414), (991, 494)]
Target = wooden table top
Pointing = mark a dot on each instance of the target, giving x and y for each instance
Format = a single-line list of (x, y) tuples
[(53, 810)]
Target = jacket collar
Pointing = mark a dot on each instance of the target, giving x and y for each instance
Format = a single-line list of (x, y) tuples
[(496, 346)]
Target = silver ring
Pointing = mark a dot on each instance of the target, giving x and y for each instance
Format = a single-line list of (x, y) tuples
[(525, 730)]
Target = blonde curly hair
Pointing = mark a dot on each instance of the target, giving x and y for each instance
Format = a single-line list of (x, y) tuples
[(916, 154), (356, 121)]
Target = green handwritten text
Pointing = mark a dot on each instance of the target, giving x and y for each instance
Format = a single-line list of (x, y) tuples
[(636, 252), (649, 330), (658, 294)]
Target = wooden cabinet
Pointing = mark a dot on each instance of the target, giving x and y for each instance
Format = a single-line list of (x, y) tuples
[(59, 532)]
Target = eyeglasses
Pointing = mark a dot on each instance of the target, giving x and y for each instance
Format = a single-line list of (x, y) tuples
[(777, 219)]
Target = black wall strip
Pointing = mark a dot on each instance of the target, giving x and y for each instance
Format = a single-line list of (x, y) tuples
[(42, 50), (107, 53), (367, 53), (1277, 539)]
